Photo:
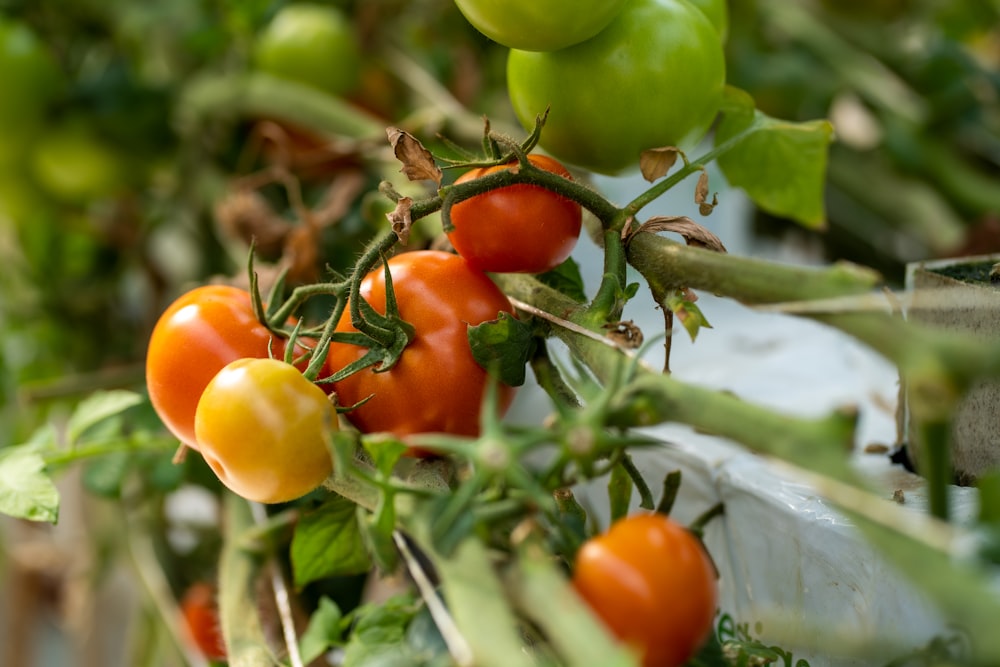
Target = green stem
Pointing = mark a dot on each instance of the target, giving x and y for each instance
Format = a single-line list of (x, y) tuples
[(671, 487), (646, 501), (609, 300), (239, 571), (935, 464), (698, 525), (652, 398), (114, 446), (476, 599), (665, 264), (450, 195), (258, 95)]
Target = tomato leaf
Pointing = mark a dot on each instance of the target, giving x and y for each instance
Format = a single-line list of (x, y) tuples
[(96, 408), (323, 631), (567, 280), (379, 634), (780, 164), (688, 314), (503, 347), (327, 542), (26, 492)]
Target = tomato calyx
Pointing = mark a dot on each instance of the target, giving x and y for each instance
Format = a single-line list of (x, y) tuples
[(386, 336)]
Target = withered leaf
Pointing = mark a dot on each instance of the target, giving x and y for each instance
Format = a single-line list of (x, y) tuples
[(693, 233), (657, 162), (400, 219), (701, 195), (418, 163), (625, 334)]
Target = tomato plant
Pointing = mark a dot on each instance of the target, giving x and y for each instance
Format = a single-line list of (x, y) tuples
[(261, 425), (201, 614), (436, 386), (654, 77), (520, 228), (536, 26), (195, 337), (651, 582), (313, 44)]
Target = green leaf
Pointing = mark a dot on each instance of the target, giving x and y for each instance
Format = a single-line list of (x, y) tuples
[(103, 476), (96, 408), (323, 630), (327, 542), (503, 347), (26, 492), (385, 451), (780, 164), (379, 635), (566, 279), (689, 315)]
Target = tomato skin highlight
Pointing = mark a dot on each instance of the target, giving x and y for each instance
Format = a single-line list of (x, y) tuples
[(539, 26), (521, 228), (654, 77), (436, 386), (201, 614), (195, 337), (651, 582), (261, 427)]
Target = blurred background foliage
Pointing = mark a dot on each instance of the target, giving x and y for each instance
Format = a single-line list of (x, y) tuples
[(913, 90), (132, 165)]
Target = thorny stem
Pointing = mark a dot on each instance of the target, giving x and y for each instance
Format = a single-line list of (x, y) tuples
[(653, 398), (527, 174)]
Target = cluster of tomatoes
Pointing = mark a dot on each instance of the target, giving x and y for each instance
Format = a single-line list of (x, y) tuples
[(620, 76), (220, 379)]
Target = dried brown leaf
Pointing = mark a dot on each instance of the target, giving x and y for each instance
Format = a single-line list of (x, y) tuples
[(657, 162), (400, 219), (245, 215), (701, 195), (693, 233), (301, 255), (418, 163), (625, 334)]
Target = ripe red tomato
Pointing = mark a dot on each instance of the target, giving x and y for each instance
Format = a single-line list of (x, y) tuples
[(436, 386), (654, 77), (517, 229), (651, 582), (262, 427), (201, 614), (195, 337)]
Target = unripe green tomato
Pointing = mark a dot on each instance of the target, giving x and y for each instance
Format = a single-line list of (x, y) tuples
[(75, 165), (312, 44), (261, 426), (654, 77), (539, 26), (717, 12)]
